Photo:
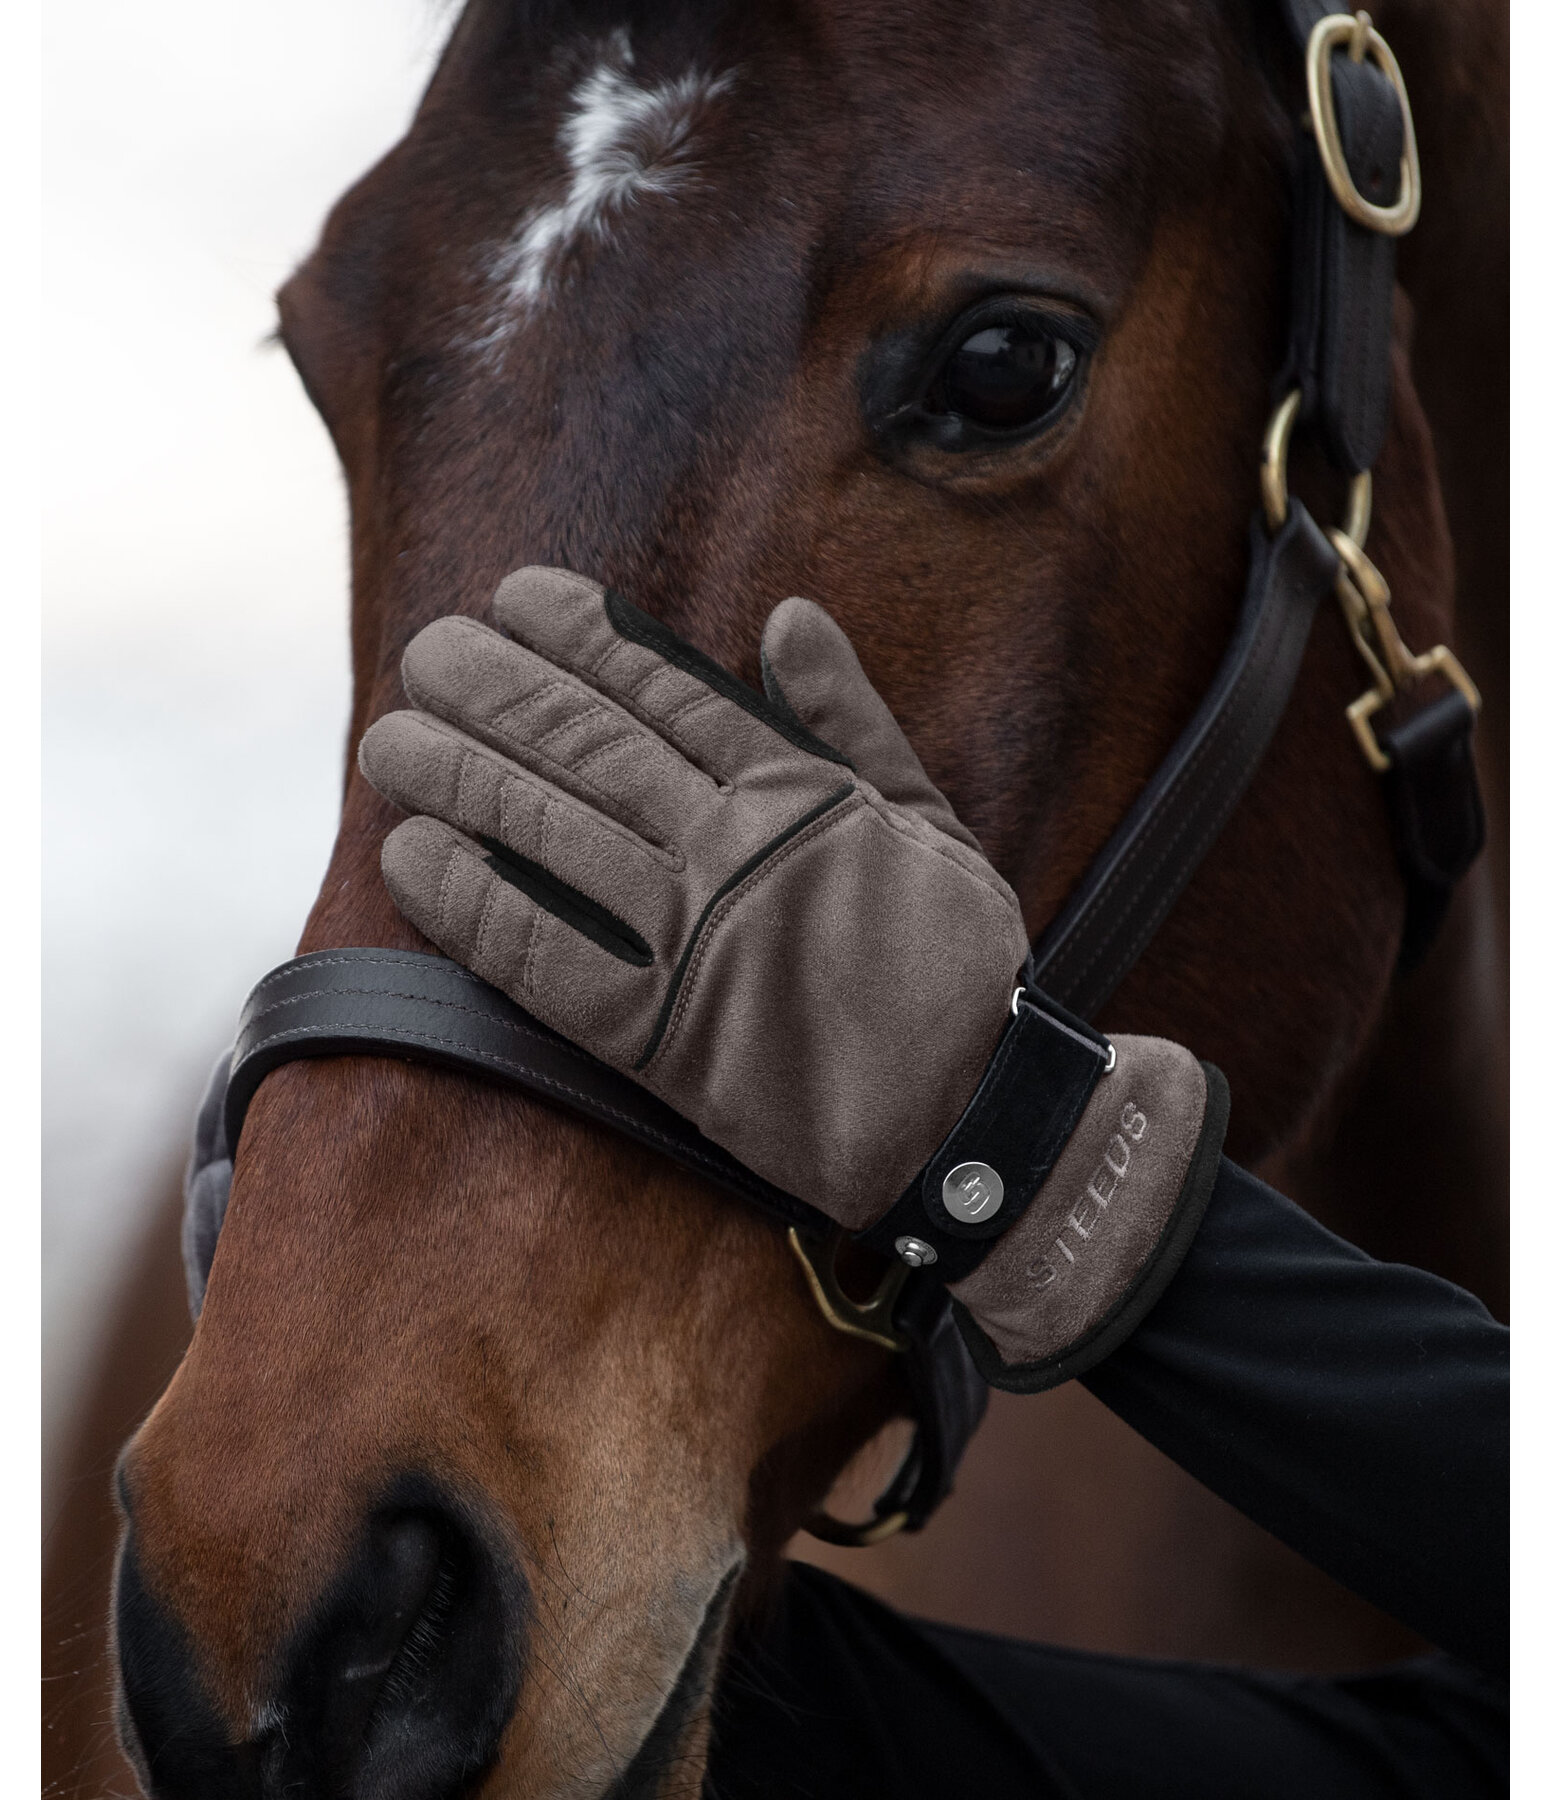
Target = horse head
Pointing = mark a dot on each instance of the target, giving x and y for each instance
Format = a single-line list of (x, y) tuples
[(964, 324)]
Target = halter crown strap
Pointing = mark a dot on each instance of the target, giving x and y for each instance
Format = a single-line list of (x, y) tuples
[(1140, 873), (1357, 187)]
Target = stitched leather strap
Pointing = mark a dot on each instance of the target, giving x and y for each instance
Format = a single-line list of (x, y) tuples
[(1342, 273), (1025, 1108), (371, 1002), (1138, 876), (427, 1009)]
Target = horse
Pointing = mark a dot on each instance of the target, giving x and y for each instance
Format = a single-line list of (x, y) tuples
[(633, 295)]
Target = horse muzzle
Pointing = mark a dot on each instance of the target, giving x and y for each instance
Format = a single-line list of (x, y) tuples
[(396, 1686)]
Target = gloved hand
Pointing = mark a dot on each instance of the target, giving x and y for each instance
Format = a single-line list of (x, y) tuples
[(760, 908)]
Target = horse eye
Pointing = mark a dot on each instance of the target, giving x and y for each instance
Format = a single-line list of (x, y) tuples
[(1004, 377)]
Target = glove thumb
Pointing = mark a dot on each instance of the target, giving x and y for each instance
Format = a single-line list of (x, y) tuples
[(811, 670)]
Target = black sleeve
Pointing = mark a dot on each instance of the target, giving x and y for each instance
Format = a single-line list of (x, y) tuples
[(1356, 1409)]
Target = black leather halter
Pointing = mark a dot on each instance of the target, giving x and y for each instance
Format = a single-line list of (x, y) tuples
[(427, 1009)]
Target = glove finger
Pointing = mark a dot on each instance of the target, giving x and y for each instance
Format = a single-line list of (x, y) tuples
[(811, 668), (426, 766), (710, 716), (575, 968), (556, 725)]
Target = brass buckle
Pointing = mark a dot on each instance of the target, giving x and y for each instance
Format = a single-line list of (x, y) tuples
[(1364, 600), (1357, 33), (870, 1319)]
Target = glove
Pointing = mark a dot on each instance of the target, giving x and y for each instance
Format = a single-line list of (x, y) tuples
[(759, 907)]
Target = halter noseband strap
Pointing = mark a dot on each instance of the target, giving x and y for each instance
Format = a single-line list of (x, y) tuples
[(377, 1002), (427, 1009)]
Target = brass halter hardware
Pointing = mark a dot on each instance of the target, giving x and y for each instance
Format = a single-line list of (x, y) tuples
[(1364, 599), (856, 1537), (1362, 592), (870, 1319), (1272, 475), (1361, 40)]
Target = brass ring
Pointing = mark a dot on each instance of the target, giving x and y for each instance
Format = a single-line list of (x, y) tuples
[(869, 1319), (1272, 459), (862, 1536), (1357, 30), (1358, 509), (1272, 476)]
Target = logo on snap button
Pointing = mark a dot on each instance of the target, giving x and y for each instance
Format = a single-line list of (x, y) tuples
[(972, 1192)]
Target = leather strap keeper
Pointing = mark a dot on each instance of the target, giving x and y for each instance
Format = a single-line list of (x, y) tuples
[(1436, 810)]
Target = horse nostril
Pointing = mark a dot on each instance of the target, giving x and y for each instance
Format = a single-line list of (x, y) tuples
[(397, 1687), (401, 1683), (407, 1575)]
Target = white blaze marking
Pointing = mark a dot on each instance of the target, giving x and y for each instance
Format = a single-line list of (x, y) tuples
[(619, 141)]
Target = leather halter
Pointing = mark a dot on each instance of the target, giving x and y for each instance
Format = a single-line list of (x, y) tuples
[(427, 1009)]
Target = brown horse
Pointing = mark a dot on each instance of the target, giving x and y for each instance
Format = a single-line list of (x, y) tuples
[(623, 299)]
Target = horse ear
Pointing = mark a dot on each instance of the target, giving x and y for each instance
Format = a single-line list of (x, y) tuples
[(812, 672)]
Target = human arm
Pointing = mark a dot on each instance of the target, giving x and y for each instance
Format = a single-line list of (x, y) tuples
[(1356, 1409)]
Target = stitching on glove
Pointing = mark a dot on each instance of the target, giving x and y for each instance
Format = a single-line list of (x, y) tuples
[(441, 895), (720, 906), (735, 880), (501, 721), (590, 708), (619, 698), (658, 746), (460, 807), (606, 806), (529, 954), (692, 705), (486, 913)]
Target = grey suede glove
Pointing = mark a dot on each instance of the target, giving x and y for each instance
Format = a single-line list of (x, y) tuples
[(760, 908)]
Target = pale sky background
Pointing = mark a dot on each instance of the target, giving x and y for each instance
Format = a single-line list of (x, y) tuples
[(195, 572)]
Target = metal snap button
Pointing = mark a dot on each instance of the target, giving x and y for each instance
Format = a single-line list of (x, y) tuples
[(972, 1192)]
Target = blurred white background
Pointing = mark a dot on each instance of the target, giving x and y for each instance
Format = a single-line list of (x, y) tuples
[(195, 571)]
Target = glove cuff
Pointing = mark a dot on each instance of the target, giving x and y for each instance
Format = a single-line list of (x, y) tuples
[(1066, 1287), (1063, 1201)]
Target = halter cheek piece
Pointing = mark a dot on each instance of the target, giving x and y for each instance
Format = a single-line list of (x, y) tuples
[(1357, 189)]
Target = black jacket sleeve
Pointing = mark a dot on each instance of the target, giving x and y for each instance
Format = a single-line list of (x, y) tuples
[(1356, 1409)]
